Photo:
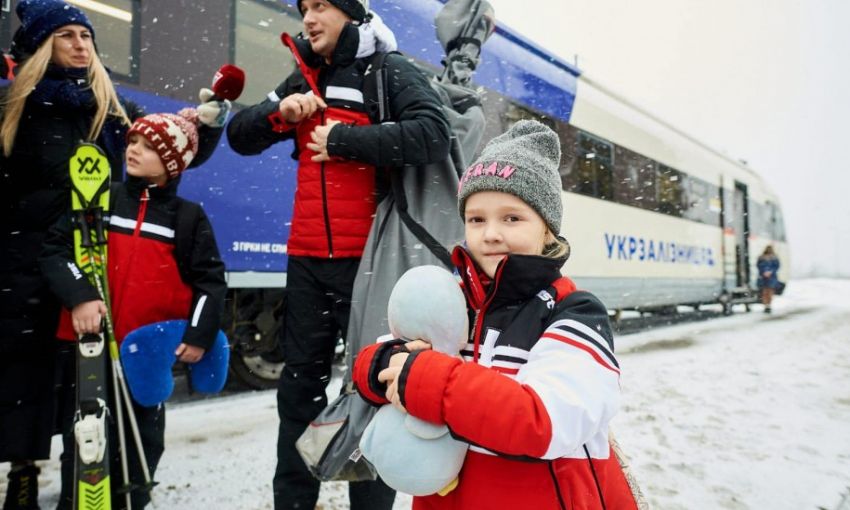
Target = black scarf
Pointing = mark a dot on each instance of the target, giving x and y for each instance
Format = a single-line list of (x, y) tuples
[(68, 90)]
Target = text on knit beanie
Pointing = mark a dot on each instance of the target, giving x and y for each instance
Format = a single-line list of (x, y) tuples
[(174, 137), (356, 9), (523, 162), (40, 18)]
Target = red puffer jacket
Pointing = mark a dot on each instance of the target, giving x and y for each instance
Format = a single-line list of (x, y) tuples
[(335, 200)]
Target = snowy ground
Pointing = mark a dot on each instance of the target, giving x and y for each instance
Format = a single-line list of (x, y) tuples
[(746, 412)]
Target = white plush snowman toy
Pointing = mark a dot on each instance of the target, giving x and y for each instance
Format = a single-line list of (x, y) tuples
[(412, 455)]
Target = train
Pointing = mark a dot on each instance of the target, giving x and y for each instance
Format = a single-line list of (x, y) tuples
[(656, 218)]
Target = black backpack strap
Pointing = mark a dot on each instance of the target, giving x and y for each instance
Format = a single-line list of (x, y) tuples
[(188, 215), (376, 99), (415, 228), (375, 95)]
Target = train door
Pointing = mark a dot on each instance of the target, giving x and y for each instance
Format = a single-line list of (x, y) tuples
[(741, 224), (729, 266)]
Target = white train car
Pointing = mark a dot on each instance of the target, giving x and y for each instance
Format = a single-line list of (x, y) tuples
[(656, 217)]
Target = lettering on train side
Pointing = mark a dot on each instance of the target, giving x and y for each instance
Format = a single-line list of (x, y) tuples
[(641, 249), (252, 247)]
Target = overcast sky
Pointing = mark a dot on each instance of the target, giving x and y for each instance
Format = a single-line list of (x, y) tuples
[(767, 81)]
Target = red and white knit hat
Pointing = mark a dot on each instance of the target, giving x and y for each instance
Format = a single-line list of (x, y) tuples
[(174, 137)]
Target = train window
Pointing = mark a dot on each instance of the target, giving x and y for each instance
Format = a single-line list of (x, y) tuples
[(780, 226), (759, 219), (494, 106), (769, 220), (634, 179), (515, 112), (257, 48), (116, 33), (501, 113), (778, 223), (568, 136), (671, 193), (696, 200), (715, 206), (593, 172)]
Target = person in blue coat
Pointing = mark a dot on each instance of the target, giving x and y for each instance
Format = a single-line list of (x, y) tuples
[(768, 265)]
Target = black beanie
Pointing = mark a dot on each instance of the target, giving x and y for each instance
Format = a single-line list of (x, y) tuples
[(40, 18), (354, 8)]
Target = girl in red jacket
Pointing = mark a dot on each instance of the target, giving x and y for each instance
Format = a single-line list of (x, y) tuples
[(541, 382)]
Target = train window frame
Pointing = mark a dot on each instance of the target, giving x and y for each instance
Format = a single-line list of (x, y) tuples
[(267, 85), (589, 144), (777, 223), (503, 113), (697, 200), (568, 136), (634, 179), (670, 200), (759, 217)]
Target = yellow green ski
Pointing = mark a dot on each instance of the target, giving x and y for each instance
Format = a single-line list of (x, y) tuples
[(90, 180)]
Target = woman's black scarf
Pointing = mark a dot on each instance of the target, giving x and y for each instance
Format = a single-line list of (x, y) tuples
[(68, 90)]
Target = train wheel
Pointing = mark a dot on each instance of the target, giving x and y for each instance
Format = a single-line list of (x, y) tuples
[(253, 321), (257, 372), (726, 302)]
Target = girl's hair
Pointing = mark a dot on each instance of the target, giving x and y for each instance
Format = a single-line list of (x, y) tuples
[(557, 249), (31, 73), (768, 250)]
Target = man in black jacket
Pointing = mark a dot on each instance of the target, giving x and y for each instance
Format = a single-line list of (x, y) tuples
[(340, 154)]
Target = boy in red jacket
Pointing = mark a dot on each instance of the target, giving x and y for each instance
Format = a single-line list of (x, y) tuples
[(163, 263)]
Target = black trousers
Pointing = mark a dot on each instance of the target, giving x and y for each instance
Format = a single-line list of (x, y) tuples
[(317, 309), (151, 423)]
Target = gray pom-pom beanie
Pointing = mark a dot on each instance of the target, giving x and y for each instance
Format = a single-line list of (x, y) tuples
[(524, 162)]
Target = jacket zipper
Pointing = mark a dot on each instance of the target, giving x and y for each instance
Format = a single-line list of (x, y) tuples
[(137, 230), (140, 216), (325, 205), (476, 322)]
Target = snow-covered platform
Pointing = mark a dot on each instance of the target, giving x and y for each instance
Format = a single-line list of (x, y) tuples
[(750, 411)]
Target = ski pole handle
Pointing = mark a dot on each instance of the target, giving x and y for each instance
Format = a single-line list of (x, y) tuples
[(98, 225), (85, 234)]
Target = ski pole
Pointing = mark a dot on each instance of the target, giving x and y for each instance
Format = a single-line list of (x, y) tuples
[(122, 392), (122, 441), (137, 438)]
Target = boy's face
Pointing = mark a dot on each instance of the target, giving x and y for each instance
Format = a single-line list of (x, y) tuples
[(497, 224), (143, 161), (323, 22)]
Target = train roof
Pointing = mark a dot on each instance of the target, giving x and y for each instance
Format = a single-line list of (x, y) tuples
[(605, 113), (566, 92)]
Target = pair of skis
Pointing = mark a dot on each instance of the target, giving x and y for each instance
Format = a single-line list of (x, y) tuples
[(90, 181)]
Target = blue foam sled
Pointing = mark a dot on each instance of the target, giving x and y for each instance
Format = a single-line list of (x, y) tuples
[(147, 355)]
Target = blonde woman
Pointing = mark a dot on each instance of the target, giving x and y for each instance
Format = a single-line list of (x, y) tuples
[(61, 96)]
